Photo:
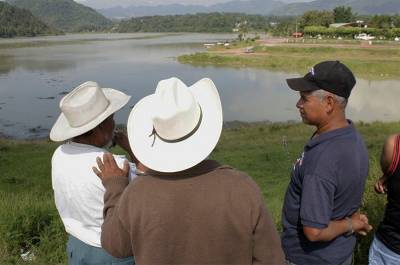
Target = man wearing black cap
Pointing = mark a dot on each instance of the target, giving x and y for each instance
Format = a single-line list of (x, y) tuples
[(319, 215)]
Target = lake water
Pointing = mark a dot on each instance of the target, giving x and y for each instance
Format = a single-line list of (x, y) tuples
[(35, 73)]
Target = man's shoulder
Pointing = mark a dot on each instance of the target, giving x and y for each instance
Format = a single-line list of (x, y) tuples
[(232, 173), (237, 179), (81, 154), (222, 174), (350, 142), (76, 148)]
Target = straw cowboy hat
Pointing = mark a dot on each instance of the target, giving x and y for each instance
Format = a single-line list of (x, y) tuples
[(177, 127), (84, 108)]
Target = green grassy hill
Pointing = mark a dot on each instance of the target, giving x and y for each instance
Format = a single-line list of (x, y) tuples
[(65, 15), (17, 22)]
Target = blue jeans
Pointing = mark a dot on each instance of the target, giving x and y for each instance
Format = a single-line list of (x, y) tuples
[(80, 253), (379, 254)]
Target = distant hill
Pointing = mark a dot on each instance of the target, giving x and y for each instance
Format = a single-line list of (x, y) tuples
[(66, 15), (261, 7), (160, 10), (17, 22), (201, 22), (364, 7)]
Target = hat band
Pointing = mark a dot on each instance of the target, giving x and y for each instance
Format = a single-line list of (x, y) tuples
[(155, 134)]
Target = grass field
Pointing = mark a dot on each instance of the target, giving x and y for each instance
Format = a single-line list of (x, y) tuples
[(29, 220), (370, 62)]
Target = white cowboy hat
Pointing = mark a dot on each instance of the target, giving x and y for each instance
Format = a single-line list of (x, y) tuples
[(177, 127), (84, 108)]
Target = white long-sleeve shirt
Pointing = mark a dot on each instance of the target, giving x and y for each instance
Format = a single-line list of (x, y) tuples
[(78, 192)]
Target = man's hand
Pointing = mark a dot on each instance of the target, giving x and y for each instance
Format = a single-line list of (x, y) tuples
[(380, 185), (108, 168), (360, 224)]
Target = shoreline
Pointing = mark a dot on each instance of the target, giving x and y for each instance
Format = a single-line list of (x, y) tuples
[(379, 61), (227, 126)]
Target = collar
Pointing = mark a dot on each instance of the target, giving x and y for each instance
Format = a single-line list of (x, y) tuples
[(86, 146), (203, 167), (314, 141)]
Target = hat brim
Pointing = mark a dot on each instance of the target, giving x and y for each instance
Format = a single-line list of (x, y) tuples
[(301, 84), (62, 130), (174, 157)]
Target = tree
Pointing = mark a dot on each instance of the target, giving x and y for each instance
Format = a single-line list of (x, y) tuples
[(317, 18), (381, 22), (243, 30), (396, 21), (343, 14)]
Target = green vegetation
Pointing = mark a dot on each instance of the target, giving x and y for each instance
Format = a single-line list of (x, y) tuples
[(70, 16), (340, 14), (311, 22), (350, 32), (316, 22), (317, 18), (20, 22), (210, 22), (29, 219), (65, 15), (365, 7), (385, 21), (343, 14), (369, 63)]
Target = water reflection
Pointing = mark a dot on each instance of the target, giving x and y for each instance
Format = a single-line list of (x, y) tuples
[(7, 63), (33, 79), (375, 100)]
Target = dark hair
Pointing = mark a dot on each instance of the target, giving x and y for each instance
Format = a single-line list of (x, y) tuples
[(89, 133)]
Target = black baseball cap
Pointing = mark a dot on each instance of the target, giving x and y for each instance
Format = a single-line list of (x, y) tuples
[(332, 76)]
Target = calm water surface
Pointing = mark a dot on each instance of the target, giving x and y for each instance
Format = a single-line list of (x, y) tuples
[(35, 73)]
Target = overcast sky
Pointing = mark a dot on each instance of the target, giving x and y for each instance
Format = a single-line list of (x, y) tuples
[(111, 3)]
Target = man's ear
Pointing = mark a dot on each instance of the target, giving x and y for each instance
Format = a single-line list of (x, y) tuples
[(330, 104)]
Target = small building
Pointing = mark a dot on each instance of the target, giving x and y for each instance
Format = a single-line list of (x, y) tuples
[(358, 23), (209, 45), (297, 34), (249, 49), (340, 25)]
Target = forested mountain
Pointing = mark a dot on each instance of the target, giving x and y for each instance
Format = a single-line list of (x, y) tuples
[(262, 7), (20, 22), (205, 22), (364, 7), (249, 7), (66, 15)]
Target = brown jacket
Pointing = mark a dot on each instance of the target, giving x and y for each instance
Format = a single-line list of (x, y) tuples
[(209, 214)]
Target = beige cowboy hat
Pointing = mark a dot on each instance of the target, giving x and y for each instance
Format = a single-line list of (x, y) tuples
[(84, 108), (177, 127)]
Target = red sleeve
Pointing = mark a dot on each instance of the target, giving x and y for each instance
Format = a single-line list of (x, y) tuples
[(395, 157)]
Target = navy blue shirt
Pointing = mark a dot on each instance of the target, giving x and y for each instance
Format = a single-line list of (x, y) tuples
[(327, 183)]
